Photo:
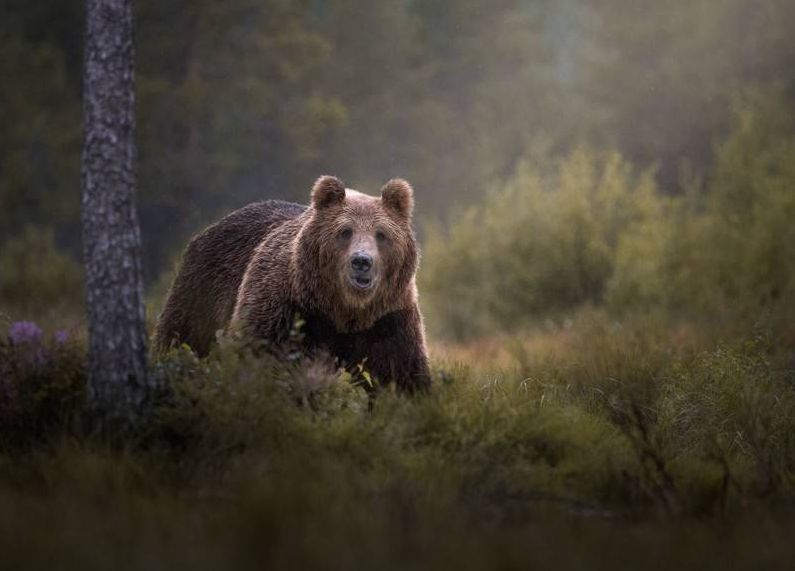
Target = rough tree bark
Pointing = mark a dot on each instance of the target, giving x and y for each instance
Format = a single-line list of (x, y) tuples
[(119, 383)]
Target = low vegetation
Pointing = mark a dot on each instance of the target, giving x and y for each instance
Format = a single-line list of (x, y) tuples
[(591, 443)]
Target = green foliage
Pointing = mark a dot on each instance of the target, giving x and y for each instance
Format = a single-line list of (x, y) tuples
[(37, 279), (234, 401), (245, 100), (721, 409), (752, 202), (39, 132), (257, 462), (42, 384), (230, 112), (545, 243), (593, 231), (725, 247)]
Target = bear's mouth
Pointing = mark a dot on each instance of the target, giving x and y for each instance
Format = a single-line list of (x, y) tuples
[(362, 282)]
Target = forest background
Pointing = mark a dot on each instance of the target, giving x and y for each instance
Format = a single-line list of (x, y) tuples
[(574, 109)]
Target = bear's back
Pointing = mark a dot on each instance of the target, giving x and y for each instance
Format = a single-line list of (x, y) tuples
[(252, 222), (224, 249), (203, 295)]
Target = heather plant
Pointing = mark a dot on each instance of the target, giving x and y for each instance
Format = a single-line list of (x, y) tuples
[(41, 384)]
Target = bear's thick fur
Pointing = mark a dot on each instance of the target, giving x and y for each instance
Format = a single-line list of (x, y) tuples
[(345, 264)]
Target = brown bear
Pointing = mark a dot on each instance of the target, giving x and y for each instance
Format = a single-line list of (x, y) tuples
[(345, 265)]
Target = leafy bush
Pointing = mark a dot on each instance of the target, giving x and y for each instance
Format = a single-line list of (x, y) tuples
[(234, 400), (727, 246), (262, 462), (732, 408), (749, 240), (42, 384), (542, 245), (595, 232), (36, 279)]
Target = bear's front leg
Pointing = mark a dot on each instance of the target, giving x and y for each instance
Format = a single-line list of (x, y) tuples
[(262, 311), (393, 350)]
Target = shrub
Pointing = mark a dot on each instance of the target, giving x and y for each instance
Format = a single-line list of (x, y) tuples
[(36, 279), (749, 242), (42, 384), (733, 409), (596, 232), (543, 244)]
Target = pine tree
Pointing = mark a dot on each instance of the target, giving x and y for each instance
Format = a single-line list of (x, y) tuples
[(118, 380)]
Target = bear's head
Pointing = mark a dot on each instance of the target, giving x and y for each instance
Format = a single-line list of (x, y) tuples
[(358, 253)]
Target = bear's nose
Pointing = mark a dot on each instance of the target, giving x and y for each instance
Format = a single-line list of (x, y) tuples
[(362, 262)]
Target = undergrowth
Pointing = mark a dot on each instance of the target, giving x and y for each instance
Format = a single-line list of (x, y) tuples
[(624, 443)]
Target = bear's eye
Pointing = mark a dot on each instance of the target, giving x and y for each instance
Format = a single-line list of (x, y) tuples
[(346, 233), (380, 236)]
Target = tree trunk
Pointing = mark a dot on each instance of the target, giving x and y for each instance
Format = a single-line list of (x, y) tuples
[(118, 380)]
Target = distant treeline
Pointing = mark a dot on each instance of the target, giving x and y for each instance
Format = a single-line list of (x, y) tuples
[(590, 230), (242, 100)]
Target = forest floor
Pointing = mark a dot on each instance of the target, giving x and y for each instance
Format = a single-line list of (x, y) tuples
[(595, 445)]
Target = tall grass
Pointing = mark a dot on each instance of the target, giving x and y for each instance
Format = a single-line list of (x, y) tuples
[(595, 450)]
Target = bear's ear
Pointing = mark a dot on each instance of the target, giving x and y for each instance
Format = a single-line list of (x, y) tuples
[(398, 196), (328, 190)]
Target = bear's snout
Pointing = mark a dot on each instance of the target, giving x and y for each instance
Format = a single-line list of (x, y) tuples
[(362, 270), (361, 262)]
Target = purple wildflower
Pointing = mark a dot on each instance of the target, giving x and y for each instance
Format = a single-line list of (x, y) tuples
[(61, 336), (25, 332)]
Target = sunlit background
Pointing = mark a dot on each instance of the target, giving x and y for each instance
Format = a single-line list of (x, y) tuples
[(565, 153), (605, 203)]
